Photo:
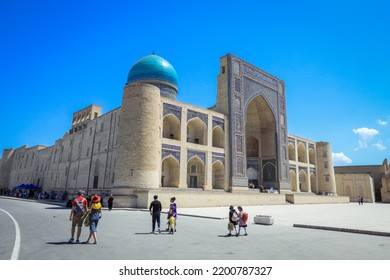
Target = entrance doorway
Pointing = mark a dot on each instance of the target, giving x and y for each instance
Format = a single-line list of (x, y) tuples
[(193, 181)]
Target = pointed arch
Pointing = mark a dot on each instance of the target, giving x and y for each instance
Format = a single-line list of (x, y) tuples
[(218, 174), (303, 181), (171, 127), (313, 183), (195, 172), (197, 131), (302, 152), (291, 152), (293, 176), (170, 172), (218, 137), (269, 172), (312, 156)]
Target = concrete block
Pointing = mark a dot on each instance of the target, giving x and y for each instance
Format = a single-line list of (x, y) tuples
[(263, 220)]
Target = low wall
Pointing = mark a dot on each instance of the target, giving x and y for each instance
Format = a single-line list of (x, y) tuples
[(198, 198), (187, 198), (315, 199)]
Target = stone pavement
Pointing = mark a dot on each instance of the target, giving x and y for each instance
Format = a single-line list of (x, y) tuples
[(373, 217)]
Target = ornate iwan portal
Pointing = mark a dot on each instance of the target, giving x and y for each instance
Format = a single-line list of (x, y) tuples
[(258, 127)]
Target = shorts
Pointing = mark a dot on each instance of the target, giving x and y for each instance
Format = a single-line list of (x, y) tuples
[(77, 221), (93, 224)]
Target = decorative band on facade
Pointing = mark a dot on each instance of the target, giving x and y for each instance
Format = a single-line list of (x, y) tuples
[(261, 76), (220, 159), (218, 122), (172, 109), (193, 114), (167, 153), (218, 155), (291, 140), (191, 154), (171, 147), (302, 169)]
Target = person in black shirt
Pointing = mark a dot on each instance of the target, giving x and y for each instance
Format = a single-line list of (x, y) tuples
[(155, 211)]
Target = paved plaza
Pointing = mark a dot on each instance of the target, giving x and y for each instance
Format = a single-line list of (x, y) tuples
[(370, 216), (124, 233)]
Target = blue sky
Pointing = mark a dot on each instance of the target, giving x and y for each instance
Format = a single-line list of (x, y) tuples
[(60, 56)]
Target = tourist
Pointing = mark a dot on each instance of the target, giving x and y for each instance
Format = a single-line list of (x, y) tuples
[(95, 214), (155, 211), (233, 220), (243, 218), (172, 216), (79, 207), (110, 202)]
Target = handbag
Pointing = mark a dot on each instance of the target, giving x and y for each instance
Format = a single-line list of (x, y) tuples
[(87, 223)]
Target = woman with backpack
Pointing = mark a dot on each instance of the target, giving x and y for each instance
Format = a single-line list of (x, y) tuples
[(233, 220), (95, 210), (243, 218)]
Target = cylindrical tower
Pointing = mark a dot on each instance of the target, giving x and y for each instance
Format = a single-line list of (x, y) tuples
[(139, 138), (325, 169)]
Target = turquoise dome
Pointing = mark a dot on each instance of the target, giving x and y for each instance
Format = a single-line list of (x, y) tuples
[(152, 67)]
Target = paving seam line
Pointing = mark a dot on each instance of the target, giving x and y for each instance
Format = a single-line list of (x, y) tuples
[(369, 232)]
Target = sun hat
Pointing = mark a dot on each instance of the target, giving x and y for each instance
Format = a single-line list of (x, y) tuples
[(95, 198)]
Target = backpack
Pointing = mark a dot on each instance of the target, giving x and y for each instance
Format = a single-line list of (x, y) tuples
[(234, 217), (79, 209), (245, 216)]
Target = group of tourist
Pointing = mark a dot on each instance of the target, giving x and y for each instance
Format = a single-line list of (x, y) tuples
[(88, 213), (239, 219), (155, 211)]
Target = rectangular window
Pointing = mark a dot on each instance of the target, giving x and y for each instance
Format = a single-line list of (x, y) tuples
[(87, 152), (326, 178), (101, 127)]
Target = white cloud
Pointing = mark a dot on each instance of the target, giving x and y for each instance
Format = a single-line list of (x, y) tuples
[(379, 146), (365, 136), (341, 159), (382, 122)]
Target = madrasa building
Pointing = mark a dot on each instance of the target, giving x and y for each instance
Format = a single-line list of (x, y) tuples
[(155, 144)]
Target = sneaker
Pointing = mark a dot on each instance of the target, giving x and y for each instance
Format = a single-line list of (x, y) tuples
[(77, 241), (245, 234), (159, 231), (71, 240)]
